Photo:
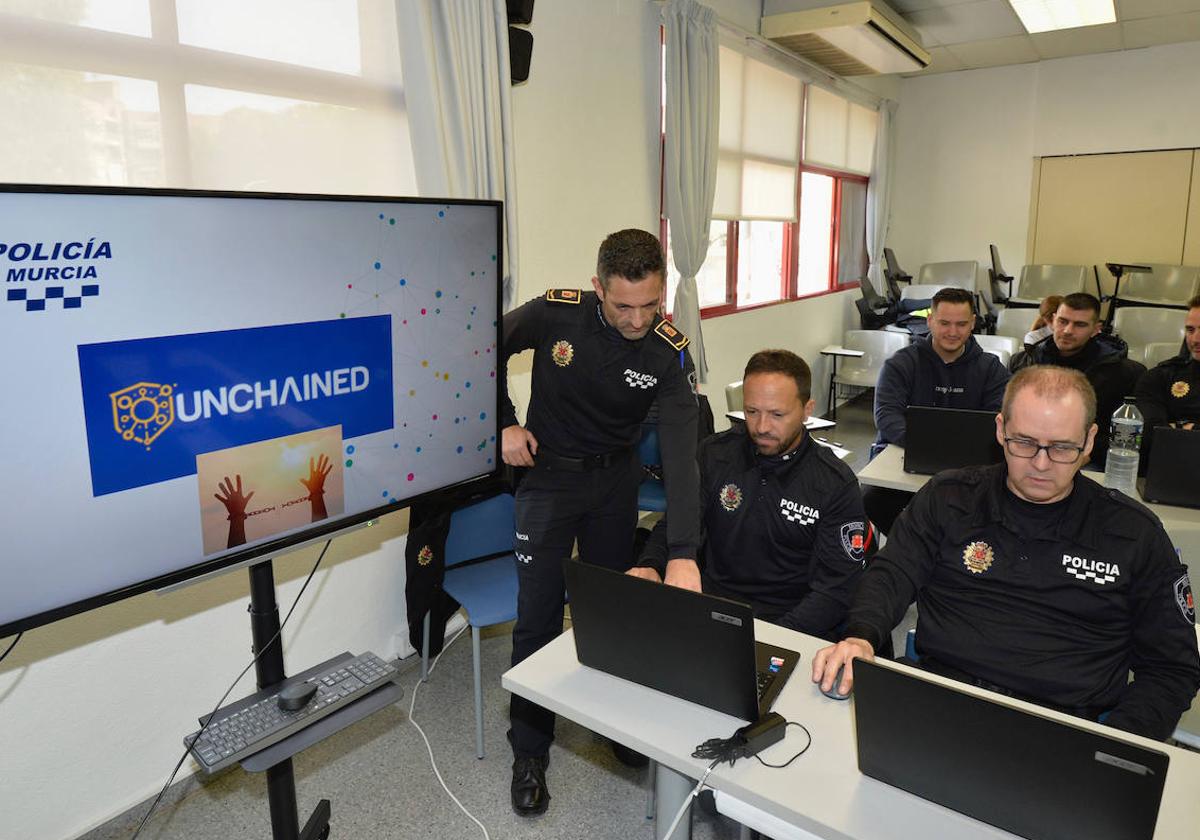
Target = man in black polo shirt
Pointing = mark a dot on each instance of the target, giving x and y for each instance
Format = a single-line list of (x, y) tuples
[(1035, 581), (781, 514)]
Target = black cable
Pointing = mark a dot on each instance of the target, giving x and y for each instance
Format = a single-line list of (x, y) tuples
[(217, 707), (11, 646), (793, 758)]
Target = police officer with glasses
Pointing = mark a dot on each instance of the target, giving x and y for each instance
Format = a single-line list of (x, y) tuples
[(1034, 581)]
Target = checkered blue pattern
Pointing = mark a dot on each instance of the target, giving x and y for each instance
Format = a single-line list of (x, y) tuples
[(49, 293)]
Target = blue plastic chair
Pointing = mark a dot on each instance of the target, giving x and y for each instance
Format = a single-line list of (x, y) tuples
[(652, 494), (486, 589)]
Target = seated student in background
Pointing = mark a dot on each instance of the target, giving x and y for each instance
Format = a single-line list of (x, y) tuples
[(948, 369), (1032, 580), (1078, 343), (1169, 394), (1043, 324), (781, 515)]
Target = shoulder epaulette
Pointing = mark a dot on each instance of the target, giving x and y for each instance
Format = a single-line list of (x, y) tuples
[(563, 296), (671, 335)]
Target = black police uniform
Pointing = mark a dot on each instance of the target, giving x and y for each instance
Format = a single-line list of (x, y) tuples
[(591, 390), (785, 533), (1170, 392), (1051, 603)]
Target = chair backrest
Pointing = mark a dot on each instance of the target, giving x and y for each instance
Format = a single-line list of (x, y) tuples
[(479, 529), (877, 346), (997, 269), (1014, 323), (1166, 283), (960, 273), (1159, 351), (1142, 325), (997, 344), (893, 264), (1038, 281), (922, 291), (648, 448), (733, 396)]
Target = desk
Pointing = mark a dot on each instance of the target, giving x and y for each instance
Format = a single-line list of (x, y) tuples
[(822, 792), (1182, 524), (812, 423)]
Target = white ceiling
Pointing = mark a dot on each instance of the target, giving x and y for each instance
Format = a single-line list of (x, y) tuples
[(967, 34)]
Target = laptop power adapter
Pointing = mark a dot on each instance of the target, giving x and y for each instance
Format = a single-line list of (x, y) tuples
[(755, 737)]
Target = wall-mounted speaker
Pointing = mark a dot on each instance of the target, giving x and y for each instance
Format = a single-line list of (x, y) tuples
[(520, 52), (520, 12)]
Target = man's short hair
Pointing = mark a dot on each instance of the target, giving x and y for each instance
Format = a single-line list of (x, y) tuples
[(631, 253), (1054, 382), (1082, 300), (953, 295), (1194, 303), (785, 362)]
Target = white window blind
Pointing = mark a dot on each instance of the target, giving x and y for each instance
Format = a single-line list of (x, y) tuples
[(759, 146), (838, 134), (275, 95)]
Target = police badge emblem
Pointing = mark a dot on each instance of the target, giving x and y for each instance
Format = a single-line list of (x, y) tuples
[(1183, 599), (854, 541), (731, 497), (425, 556), (562, 352), (977, 557), (1180, 389)]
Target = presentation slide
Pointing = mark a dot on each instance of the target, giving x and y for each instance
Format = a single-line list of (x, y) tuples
[(188, 375)]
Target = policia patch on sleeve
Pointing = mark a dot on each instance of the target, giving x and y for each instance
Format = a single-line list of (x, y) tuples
[(563, 296), (672, 336), (1183, 599)]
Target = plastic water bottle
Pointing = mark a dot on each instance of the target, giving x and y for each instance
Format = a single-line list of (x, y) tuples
[(1124, 444)]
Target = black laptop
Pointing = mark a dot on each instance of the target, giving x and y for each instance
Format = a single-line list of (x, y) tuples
[(937, 439), (1018, 771), (692, 646), (1174, 463)]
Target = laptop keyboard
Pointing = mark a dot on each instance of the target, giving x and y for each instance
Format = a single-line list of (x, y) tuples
[(765, 678)]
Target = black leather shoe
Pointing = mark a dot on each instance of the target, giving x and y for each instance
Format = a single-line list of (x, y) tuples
[(530, 796), (628, 757)]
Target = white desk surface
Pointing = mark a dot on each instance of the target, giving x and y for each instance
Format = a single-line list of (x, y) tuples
[(822, 792), (1183, 524)]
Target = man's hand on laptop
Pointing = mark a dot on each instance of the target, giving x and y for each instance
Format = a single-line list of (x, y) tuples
[(645, 573), (683, 573), (829, 659)]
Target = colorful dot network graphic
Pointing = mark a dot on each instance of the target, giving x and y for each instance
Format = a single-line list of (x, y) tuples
[(439, 284)]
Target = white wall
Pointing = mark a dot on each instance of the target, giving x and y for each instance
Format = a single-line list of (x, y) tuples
[(966, 141)]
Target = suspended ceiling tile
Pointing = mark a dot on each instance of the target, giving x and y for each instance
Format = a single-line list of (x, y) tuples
[(1083, 40), (1137, 9), (1150, 32), (1015, 49), (983, 20)]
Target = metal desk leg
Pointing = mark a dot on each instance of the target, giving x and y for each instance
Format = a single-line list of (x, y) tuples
[(671, 789), (832, 412)]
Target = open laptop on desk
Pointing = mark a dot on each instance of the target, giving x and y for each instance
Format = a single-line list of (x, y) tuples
[(692, 646), (1024, 773), (937, 439), (1174, 463)]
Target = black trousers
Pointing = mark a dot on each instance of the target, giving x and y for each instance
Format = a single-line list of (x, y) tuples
[(554, 509)]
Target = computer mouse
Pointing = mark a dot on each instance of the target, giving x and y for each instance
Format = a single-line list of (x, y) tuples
[(296, 696), (832, 693)]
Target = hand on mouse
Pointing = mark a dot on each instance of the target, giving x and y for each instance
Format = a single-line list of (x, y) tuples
[(828, 660)]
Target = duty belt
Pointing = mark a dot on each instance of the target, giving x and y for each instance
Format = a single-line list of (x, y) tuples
[(927, 663), (548, 460)]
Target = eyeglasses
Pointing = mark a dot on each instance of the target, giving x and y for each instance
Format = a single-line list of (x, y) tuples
[(1059, 453)]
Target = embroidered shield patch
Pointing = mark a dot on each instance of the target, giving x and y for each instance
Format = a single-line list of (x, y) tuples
[(1183, 599), (731, 497)]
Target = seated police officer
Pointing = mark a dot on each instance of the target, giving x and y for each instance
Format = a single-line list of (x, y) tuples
[(781, 515), (948, 369), (1169, 394), (1033, 580)]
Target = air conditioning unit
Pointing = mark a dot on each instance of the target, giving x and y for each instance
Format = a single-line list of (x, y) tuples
[(849, 39)]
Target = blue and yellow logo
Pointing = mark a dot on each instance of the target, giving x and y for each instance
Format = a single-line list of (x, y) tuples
[(143, 411)]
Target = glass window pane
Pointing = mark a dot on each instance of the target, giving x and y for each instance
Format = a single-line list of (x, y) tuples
[(852, 232), (79, 128), (710, 281), (245, 141), (313, 33), (816, 220), (131, 17), (760, 262)]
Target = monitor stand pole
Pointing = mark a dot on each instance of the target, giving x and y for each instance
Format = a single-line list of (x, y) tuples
[(281, 782)]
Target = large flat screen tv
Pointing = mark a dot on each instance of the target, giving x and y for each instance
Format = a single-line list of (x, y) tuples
[(193, 379)]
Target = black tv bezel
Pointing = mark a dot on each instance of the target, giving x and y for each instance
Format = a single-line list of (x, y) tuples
[(279, 545)]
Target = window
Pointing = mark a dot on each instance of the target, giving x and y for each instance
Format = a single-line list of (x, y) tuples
[(785, 225), (276, 95)]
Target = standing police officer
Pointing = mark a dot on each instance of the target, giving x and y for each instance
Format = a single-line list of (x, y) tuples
[(1034, 581), (600, 360)]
